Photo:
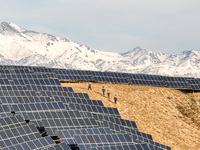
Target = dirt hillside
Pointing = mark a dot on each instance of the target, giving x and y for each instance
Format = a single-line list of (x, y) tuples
[(169, 115)]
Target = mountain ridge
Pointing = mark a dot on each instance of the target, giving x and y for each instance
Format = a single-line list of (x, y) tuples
[(26, 47)]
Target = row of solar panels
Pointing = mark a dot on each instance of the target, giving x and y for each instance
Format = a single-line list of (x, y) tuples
[(75, 131), (42, 109), (20, 72), (136, 79), (16, 134)]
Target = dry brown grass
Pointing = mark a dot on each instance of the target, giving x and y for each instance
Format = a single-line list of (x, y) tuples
[(170, 116)]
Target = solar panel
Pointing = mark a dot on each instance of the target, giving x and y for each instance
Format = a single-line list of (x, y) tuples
[(97, 116), (74, 77), (37, 106), (49, 88), (122, 122), (78, 100), (36, 82), (21, 130), (5, 114), (4, 110), (11, 121), (14, 71), (194, 83), (51, 125), (71, 133), (35, 115), (86, 141), (39, 143), (42, 69), (127, 147), (17, 135), (119, 128), (145, 79), (139, 139), (113, 120), (25, 99), (17, 93), (28, 76), (176, 82), (12, 87), (95, 109), (69, 122), (67, 136), (78, 75), (113, 77), (64, 94), (4, 81), (61, 146)]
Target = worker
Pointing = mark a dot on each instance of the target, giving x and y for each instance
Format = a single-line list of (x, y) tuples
[(89, 86), (108, 93), (115, 99), (103, 90)]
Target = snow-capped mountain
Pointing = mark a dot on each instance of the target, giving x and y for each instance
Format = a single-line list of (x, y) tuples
[(24, 47)]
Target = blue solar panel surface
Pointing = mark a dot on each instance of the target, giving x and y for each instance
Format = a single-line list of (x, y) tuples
[(35, 109)]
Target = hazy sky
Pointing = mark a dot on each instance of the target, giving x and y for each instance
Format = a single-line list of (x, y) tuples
[(112, 25)]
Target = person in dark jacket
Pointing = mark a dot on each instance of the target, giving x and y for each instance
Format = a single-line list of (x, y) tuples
[(103, 90), (115, 99), (108, 93)]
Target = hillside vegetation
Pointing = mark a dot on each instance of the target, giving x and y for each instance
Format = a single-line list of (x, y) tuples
[(169, 115)]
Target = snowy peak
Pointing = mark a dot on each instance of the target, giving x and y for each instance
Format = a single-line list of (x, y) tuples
[(16, 27), (25, 47), (140, 56), (191, 53), (136, 50), (10, 28)]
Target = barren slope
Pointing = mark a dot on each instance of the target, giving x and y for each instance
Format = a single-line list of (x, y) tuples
[(170, 116)]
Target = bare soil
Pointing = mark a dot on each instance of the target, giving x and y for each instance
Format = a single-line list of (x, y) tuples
[(169, 115)]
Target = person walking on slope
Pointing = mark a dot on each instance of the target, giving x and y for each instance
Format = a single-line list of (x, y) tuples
[(89, 86), (103, 90), (108, 93), (115, 99)]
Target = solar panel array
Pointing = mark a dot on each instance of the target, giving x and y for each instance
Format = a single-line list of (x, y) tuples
[(177, 82), (16, 134), (195, 84), (143, 79), (97, 76), (127, 147), (135, 79), (36, 112), (76, 75), (113, 77)]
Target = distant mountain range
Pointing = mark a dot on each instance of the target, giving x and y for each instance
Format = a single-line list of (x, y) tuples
[(24, 47)]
